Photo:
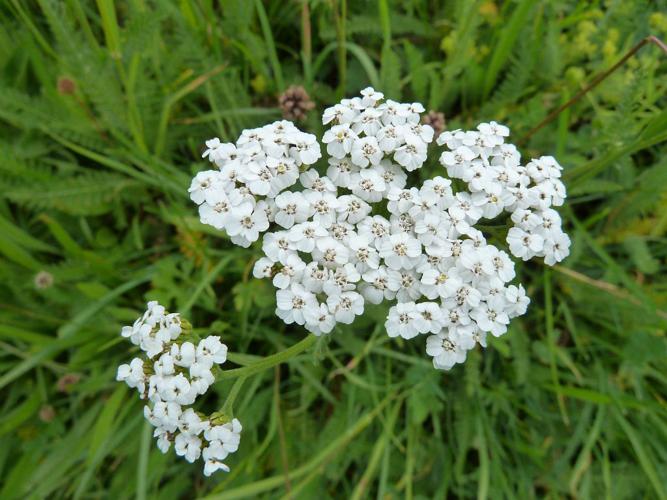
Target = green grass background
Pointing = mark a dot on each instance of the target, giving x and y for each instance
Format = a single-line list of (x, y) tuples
[(571, 403)]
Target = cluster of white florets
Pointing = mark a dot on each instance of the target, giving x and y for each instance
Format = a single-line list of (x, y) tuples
[(358, 235), (171, 377), (498, 182), (238, 197), (327, 255)]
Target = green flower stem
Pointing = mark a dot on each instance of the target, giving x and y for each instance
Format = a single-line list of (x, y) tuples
[(269, 361), (231, 397)]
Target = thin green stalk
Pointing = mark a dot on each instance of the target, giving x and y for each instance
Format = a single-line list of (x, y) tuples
[(306, 44), (361, 490), (269, 361), (340, 17), (142, 469), (270, 45), (263, 485), (208, 278), (231, 397), (173, 99), (483, 481), (549, 319)]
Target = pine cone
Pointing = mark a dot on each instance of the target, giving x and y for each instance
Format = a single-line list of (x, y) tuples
[(295, 103), (435, 119)]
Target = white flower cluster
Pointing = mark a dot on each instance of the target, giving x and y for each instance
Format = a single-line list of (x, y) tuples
[(327, 257), (174, 374), (334, 247), (238, 197), (498, 182)]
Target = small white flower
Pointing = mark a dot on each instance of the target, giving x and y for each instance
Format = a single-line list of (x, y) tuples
[(368, 122), (306, 149), (339, 140), (258, 178), (163, 439), (305, 235), (403, 320), (394, 176), (352, 209), (399, 251), (293, 302), (211, 350), (375, 287), (331, 253), (168, 413), (517, 300), (183, 355), (312, 181), (556, 248), (291, 271), (164, 365), (201, 376), (457, 161), (491, 317), (402, 200), (285, 173), (188, 447), (177, 389), (323, 206), (476, 263), (346, 306), (366, 151), (204, 184), (362, 253), (368, 185), (440, 282), (338, 114), (132, 374), (191, 423), (493, 128), (523, 244), (341, 170), (390, 137), (343, 279), (411, 155), (211, 146), (405, 284), (446, 351), (248, 223), (293, 208), (429, 317), (545, 167), (319, 320), (370, 96), (263, 268)]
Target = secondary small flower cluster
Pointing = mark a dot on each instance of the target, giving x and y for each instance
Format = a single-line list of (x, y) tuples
[(172, 375), (357, 235), (238, 197), (498, 182)]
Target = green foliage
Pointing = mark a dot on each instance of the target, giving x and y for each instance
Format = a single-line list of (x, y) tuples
[(104, 107)]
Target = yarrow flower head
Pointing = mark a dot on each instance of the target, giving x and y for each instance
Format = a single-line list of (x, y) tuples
[(360, 235), (174, 371), (239, 194)]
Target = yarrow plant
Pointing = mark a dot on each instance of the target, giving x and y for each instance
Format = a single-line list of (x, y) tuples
[(172, 373), (361, 234)]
